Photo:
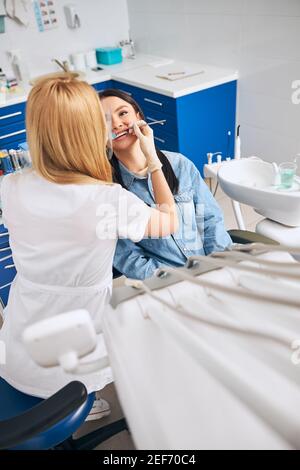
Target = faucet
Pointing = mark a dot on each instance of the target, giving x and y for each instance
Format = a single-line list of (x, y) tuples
[(296, 158), (210, 157), (132, 46), (276, 180), (129, 42), (63, 65)]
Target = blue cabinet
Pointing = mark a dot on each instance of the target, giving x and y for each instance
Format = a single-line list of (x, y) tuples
[(206, 123), (7, 269), (196, 124), (12, 126)]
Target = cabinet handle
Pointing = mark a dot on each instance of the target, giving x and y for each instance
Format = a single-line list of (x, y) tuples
[(6, 285), (153, 102), (5, 258), (10, 266), (153, 120), (4, 249), (127, 92), (3, 234), (7, 116), (12, 134), (160, 140)]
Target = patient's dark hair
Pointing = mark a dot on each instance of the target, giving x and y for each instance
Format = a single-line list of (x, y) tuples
[(166, 165)]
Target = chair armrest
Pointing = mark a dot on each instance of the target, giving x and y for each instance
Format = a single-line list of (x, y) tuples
[(244, 237), (43, 416)]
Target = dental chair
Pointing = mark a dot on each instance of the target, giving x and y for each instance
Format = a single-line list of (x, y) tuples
[(30, 423), (219, 336)]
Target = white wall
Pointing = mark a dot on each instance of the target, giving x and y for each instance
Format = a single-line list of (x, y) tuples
[(104, 23), (260, 38)]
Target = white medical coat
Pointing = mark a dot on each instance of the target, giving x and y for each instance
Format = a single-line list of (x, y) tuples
[(63, 239)]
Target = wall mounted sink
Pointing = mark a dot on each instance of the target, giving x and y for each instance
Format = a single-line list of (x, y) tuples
[(250, 181)]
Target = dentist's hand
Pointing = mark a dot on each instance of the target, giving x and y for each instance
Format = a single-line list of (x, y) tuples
[(145, 135)]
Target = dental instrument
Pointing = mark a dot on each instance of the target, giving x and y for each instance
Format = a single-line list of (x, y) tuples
[(238, 144), (228, 144), (196, 262), (231, 290), (223, 263), (239, 256), (193, 312), (152, 123), (162, 279), (261, 248)]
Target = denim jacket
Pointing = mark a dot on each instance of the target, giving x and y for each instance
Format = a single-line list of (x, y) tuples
[(201, 225)]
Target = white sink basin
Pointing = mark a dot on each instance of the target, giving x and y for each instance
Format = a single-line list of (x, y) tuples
[(250, 182)]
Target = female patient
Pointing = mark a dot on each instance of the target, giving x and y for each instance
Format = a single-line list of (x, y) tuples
[(201, 222), (64, 219)]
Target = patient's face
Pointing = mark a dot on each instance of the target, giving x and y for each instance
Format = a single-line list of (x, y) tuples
[(123, 116)]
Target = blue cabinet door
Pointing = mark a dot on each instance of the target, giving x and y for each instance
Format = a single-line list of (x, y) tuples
[(205, 120), (132, 91), (12, 134), (7, 269), (12, 114), (102, 86), (170, 124), (165, 141), (148, 99), (12, 126)]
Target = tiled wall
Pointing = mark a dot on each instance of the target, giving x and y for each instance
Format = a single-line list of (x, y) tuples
[(104, 23), (260, 38)]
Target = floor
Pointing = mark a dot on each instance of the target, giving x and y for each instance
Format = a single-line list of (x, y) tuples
[(121, 441)]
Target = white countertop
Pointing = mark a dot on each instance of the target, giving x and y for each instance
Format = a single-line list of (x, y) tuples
[(201, 77), (142, 72)]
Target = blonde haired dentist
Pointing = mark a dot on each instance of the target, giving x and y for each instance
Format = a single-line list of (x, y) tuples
[(63, 218)]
